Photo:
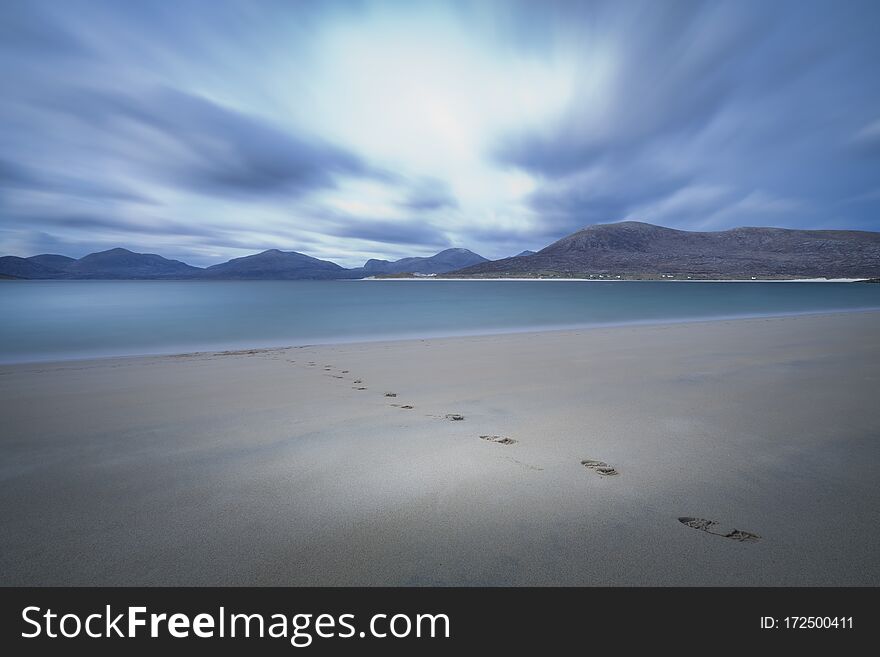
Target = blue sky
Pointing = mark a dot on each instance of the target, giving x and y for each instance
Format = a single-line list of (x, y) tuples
[(349, 130)]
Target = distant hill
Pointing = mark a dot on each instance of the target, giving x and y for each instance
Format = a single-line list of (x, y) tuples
[(276, 265), (122, 264), (634, 249), (524, 253), (53, 261), (440, 263), (15, 267)]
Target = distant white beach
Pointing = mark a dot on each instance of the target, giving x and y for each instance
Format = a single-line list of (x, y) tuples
[(626, 280)]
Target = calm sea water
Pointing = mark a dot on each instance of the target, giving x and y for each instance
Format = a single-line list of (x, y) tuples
[(46, 320)]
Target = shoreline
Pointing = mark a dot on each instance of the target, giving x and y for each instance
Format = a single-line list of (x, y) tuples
[(456, 461), (234, 348), (428, 277)]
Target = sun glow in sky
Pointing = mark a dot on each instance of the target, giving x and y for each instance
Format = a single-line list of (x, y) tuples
[(350, 130)]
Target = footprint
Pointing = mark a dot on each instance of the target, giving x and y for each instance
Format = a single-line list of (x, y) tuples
[(357, 381), (712, 527), (345, 371), (501, 440), (599, 466), (406, 406), (454, 416), (391, 394), (359, 387)]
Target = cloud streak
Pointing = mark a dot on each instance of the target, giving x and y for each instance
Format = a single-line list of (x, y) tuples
[(679, 97)]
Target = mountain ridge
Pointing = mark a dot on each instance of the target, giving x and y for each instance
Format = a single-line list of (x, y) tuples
[(122, 263), (627, 249), (275, 264), (640, 250), (439, 263)]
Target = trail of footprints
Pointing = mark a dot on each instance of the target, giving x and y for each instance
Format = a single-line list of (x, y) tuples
[(599, 467)]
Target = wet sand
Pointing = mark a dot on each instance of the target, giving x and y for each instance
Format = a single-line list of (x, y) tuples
[(589, 457)]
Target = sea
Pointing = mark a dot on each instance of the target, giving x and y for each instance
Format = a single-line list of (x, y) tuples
[(61, 320)]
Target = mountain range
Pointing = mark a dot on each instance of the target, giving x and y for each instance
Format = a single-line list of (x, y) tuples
[(269, 265), (113, 264), (632, 249), (627, 249)]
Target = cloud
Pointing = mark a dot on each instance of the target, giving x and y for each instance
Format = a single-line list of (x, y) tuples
[(17, 178), (353, 129), (867, 140), (403, 231), (26, 29), (691, 202), (429, 195), (755, 208), (148, 225), (15, 175), (184, 139), (870, 133), (676, 100)]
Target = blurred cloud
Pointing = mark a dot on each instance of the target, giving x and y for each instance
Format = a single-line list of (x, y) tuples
[(678, 102), (428, 195), (348, 130), (184, 140)]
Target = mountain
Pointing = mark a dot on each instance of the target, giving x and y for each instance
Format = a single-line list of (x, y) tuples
[(123, 264), (635, 249), (15, 267), (440, 263), (276, 265), (524, 253), (53, 261)]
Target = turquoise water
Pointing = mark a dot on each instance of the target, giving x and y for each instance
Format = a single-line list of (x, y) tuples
[(47, 320)]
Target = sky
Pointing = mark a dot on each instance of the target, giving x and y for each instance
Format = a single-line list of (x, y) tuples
[(207, 130)]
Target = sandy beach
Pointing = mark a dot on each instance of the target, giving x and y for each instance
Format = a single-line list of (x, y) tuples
[(295, 467)]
